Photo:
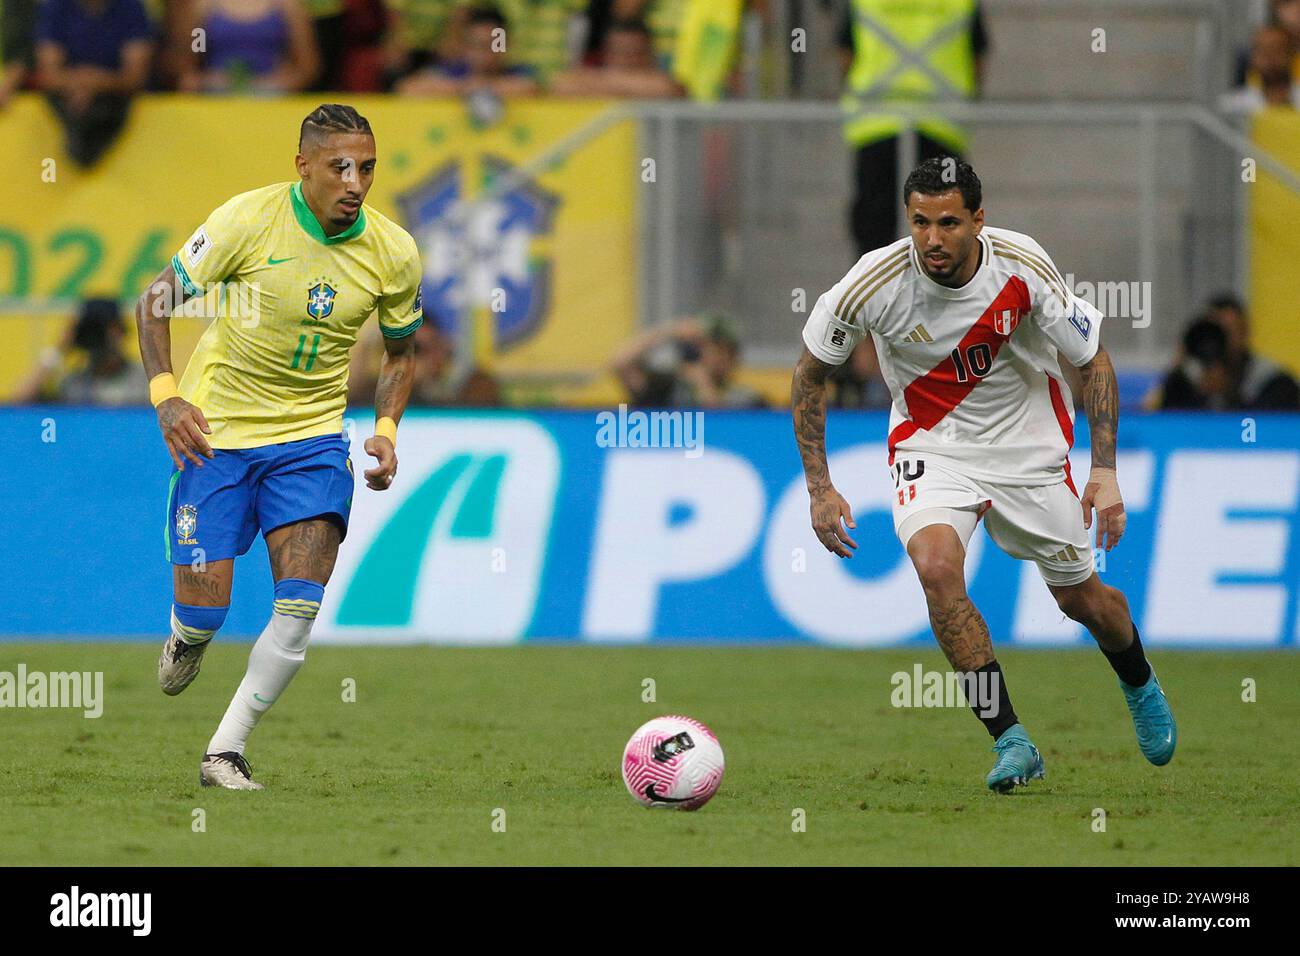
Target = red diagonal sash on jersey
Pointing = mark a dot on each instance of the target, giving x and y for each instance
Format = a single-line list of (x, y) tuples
[(1067, 426), (940, 390)]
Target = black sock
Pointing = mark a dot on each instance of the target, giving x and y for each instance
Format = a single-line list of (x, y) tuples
[(980, 692), (1131, 663)]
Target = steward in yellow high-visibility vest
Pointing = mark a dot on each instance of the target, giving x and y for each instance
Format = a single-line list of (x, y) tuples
[(903, 52)]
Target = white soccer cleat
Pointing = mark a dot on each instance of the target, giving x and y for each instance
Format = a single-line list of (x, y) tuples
[(229, 770), (179, 664)]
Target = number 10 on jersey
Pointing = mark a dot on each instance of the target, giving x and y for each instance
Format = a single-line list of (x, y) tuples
[(978, 361)]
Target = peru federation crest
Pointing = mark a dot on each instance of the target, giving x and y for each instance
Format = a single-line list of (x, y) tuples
[(1005, 322), (187, 522), (320, 300)]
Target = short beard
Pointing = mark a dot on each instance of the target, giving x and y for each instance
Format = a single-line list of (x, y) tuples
[(951, 271)]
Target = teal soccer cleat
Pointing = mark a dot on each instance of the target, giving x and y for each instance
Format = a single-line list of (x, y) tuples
[(1018, 761), (1152, 719)]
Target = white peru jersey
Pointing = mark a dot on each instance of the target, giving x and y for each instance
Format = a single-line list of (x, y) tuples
[(972, 371)]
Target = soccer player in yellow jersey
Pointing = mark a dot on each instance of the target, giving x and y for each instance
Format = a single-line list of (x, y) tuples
[(255, 426)]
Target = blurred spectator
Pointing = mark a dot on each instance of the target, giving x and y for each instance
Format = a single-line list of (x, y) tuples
[(534, 39), (707, 46), (107, 377), (627, 68), (1258, 382), (435, 354), (1286, 14), (421, 33), (266, 46), (663, 17), (328, 18), (17, 49), (541, 34), (945, 67), (174, 54), (482, 65), (1201, 379), (365, 27), (1217, 370), (91, 57), (687, 363), (1281, 13), (858, 382), (1270, 80)]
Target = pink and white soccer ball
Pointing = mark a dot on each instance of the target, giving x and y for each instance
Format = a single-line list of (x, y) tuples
[(673, 762)]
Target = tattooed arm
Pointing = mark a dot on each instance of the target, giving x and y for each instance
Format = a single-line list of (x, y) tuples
[(1101, 404), (1100, 396), (808, 404), (182, 424), (396, 375)]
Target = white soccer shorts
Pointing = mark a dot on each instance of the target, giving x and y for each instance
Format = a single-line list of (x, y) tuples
[(1042, 523)]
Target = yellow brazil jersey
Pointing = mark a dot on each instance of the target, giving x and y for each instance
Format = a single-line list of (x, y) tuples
[(273, 366), (319, 9), (422, 23)]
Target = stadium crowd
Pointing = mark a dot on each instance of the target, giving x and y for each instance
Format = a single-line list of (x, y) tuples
[(89, 57), (1268, 73)]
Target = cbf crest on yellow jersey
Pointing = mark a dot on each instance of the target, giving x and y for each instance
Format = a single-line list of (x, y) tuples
[(273, 367)]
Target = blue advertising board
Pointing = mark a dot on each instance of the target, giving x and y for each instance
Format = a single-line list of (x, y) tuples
[(510, 526)]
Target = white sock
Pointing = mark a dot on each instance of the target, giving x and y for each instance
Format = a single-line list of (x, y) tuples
[(276, 656)]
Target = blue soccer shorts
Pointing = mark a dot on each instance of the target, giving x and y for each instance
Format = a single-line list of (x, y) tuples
[(220, 507)]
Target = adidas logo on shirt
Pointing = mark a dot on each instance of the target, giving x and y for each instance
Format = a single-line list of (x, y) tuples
[(918, 335)]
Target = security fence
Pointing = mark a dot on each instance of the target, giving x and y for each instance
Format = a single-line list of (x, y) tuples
[(1144, 205)]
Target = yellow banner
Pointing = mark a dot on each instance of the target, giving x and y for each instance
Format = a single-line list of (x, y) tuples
[(546, 273), (1274, 246)]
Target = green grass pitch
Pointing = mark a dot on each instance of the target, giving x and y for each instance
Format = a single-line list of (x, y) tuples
[(440, 738)]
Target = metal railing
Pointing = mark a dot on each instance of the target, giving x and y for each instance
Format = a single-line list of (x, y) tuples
[(751, 206)]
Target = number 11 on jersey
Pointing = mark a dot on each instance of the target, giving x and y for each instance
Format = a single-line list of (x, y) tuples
[(311, 359)]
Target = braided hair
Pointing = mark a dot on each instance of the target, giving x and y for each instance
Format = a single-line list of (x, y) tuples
[(331, 118)]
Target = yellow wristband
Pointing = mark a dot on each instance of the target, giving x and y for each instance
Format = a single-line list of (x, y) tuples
[(388, 428), (162, 387)]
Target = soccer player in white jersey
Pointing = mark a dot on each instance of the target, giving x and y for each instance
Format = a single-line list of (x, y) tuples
[(968, 321)]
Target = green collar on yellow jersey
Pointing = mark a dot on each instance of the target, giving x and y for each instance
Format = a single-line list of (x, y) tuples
[(307, 219)]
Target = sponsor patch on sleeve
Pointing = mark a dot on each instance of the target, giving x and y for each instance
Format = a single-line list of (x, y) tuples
[(836, 336), (1081, 322), (197, 247)]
